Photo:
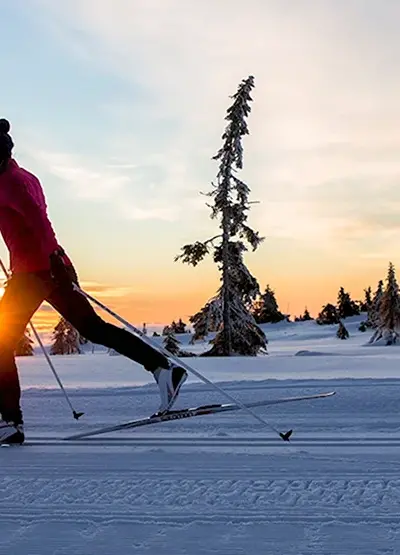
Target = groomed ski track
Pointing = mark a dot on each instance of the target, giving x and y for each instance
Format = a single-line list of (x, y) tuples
[(219, 443), (86, 499), (214, 485)]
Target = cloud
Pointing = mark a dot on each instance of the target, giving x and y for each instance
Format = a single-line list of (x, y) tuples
[(324, 138), (85, 182), (136, 192), (104, 290)]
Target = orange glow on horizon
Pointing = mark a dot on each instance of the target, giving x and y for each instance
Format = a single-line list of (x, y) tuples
[(163, 299), (158, 309)]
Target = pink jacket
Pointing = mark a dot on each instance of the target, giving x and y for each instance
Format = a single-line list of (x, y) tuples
[(24, 224)]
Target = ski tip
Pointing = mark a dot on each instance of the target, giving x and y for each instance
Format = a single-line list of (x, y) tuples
[(77, 415), (286, 436)]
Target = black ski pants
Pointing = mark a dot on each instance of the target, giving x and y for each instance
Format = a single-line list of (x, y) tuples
[(24, 293)]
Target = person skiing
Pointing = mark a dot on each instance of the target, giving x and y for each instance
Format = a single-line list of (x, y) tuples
[(42, 271)]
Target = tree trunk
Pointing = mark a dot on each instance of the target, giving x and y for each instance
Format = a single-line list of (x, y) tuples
[(225, 284)]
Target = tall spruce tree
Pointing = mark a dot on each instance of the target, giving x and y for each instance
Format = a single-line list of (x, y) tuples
[(25, 345), (66, 339), (388, 322), (240, 333)]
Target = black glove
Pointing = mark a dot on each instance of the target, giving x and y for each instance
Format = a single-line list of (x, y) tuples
[(64, 275)]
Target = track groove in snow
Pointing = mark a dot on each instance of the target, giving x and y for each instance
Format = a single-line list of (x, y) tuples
[(187, 517), (112, 498), (223, 442)]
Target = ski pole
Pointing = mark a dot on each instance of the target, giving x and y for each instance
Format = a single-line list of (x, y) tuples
[(76, 414), (283, 435)]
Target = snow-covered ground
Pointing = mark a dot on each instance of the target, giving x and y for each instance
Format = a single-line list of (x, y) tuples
[(218, 484)]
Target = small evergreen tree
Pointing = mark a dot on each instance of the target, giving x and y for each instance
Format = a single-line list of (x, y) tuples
[(175, 327), (59, 333), (346, 307), (25, 345), (65, 339), (328, 315), (306, 315), (178, 327), (389, 311), (366, 304), (266, 309), (171, 343), (362, 327), (342, 332), (144, 329), (239, 333)]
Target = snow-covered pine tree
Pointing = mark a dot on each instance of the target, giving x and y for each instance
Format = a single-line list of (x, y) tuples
[(306, 315), (342, 332), (373, 313), (266, 309), (366, 304), (66, 339), (346, 307), (171, 343), (175, 327), (73, 340), (58, 345), (240, 333), (179, 326), (328, 315), (208, 319), (389, 311), (25, 345)]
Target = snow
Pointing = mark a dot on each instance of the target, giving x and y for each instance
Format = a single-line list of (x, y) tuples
[(218, 484)]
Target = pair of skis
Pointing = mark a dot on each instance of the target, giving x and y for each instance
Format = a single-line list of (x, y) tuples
[(198, 411)]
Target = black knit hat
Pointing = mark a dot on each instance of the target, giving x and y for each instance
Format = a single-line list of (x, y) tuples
[(6, 142)]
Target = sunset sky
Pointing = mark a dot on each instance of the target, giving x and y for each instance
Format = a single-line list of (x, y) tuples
[(118, 106)]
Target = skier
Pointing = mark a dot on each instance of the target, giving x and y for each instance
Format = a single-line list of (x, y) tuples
[(41, 271)]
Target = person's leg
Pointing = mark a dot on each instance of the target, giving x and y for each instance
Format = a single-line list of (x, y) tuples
[(78, 311), (23, 295)]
